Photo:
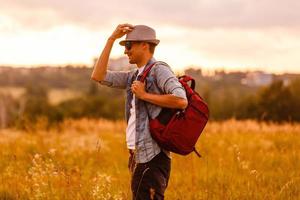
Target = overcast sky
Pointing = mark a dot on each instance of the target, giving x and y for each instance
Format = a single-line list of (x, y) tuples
[(227, 34)]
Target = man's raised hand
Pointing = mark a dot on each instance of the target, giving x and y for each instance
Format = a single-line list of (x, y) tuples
[(121, 30)]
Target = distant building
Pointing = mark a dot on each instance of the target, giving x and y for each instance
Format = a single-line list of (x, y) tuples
[(257, 79)]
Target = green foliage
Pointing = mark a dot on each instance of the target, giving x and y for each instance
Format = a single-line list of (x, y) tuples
[(8, 110), (92, 107), (295, 91), (247, 108), (35, 106), (36, 102), (52, 77), (224, 92), (275, 103)]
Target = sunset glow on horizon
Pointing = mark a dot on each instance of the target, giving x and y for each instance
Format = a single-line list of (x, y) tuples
[(241, 36)]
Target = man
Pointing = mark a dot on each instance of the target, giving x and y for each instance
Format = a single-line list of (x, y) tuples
[(150, 165)]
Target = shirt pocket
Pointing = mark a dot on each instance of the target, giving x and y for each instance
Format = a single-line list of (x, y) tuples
[(150, 84)]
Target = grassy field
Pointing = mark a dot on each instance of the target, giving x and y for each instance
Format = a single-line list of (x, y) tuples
[(88, 160), (15, 92)]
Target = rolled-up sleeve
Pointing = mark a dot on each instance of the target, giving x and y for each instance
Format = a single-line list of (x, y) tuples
[(116, 79), (168, 82)]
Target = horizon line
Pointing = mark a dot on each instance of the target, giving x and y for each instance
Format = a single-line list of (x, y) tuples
[(204, 70)]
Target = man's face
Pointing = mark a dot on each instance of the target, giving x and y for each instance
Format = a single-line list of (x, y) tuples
[(134, 51)]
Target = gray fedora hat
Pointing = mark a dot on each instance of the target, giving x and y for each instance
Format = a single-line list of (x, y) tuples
[(141, 33)]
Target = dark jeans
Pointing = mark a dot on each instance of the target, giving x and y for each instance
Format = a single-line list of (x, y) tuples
[(150, 180)]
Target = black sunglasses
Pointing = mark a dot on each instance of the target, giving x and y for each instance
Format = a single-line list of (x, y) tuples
[(128, 44)]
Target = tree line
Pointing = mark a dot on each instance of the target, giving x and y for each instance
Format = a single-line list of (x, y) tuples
[(226, 97)]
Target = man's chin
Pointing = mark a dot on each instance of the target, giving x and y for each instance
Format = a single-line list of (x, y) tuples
[(131, 61)]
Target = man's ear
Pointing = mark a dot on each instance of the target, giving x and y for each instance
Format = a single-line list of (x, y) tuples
[(145, 45)]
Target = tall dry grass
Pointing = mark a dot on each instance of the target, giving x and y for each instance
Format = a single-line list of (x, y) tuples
[(87, 159)]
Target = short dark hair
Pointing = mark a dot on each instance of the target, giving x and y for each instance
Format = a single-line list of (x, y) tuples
[(151, 47)]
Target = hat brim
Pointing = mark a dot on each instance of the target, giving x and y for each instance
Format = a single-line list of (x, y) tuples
[(122, 43)]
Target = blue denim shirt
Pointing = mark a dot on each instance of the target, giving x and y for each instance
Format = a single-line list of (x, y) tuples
[(160, 80)]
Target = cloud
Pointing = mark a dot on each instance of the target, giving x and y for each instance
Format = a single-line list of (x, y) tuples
[(275, 48), (202, 14), (202, 32)]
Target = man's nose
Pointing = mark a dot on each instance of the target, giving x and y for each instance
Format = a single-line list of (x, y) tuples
[(125, 51)]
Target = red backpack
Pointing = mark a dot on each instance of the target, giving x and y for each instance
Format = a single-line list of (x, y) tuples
[(178, 130)]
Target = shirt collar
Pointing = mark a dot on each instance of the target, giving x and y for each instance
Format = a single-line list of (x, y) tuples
[(141, 69)]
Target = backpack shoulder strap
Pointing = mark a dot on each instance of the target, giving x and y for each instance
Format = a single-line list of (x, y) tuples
[(186, 79), (145, 73)]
